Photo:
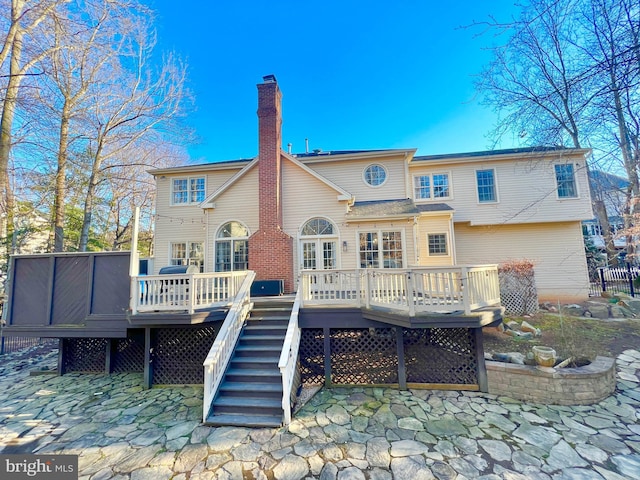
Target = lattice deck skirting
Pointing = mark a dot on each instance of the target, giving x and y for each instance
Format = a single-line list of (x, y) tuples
[(177, 354), (374, 356)]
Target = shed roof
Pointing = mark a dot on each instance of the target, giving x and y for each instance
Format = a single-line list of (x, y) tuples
[(381, 209)]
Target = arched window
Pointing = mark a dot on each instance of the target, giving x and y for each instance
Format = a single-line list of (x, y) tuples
[(318, 245), (232, 247), (317, 226)]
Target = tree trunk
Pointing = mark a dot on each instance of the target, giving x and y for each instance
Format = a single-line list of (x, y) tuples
[(88, 202), (6, 127), (61, 181)]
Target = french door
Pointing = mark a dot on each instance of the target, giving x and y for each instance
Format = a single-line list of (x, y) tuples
[(319, 254)]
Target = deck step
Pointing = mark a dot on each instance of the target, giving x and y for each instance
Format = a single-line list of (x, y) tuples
[(248, 387), (263, 363), (261, 421), (250, 393), (253, 375), (270, 359), (260, 339), (251, 402), (257, 349)]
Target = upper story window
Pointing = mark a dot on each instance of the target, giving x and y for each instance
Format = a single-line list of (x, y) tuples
[(375, 175), (432, 186), (187, 190), (486, 183), (566, 180)]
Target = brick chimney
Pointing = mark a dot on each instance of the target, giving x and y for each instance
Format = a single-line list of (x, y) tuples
[(270, 248)]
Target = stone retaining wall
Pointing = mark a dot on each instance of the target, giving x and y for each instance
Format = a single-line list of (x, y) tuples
[(564, 386)]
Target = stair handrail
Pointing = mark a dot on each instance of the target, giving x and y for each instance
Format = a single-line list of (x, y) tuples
[(222, 349), (289, 357)]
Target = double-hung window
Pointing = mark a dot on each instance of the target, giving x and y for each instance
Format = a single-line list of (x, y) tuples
[(188, 253), (566, 181), (188, 190), (486, 183), (431, 186)]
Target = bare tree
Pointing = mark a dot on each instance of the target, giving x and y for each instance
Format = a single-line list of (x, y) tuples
[(20, 51), (132, 111), (545, 86), (614, 50)]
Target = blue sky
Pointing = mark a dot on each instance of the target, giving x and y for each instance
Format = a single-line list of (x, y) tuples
[(354, 74)]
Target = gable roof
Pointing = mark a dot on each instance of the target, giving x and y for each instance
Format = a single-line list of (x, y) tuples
[(389, 209), (222, 188), (343, 195)]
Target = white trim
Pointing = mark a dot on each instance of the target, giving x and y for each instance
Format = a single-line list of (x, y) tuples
[(343, 195), (378, 231), (209, 200), (188, 203), (217, 239), (432, 198), (495, 186), (317, 238), (375, 164), (447, 245), (575, 180)]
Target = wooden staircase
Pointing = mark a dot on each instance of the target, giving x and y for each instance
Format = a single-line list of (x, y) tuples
[(250, 394)]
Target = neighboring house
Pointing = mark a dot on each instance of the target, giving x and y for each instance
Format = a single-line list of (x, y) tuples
[(280, 213), (612, 190)]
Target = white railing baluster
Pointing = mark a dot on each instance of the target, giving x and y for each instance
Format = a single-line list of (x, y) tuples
[(289, 357), (420, 289), (216, 362)]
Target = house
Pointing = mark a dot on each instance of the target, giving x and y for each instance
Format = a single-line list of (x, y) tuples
[(612, 190), (282, 213), (391, 257)]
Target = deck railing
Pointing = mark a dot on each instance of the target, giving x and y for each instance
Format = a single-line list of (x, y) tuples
[(425, 289), (188, 292), (289, 358), (222, 348)]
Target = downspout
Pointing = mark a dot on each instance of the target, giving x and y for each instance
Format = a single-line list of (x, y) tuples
[(452, 239), (416, 247), (207, 240)]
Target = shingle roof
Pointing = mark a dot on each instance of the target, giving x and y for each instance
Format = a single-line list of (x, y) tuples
[(486, 153), (320, 153), (393, 208)]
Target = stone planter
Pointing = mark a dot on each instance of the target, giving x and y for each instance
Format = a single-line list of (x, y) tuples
[(556, 386), (544, 356)]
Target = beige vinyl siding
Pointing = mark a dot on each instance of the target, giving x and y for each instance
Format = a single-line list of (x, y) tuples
[(305, 197), (182, 223), (348, 174), (176, 229), (352, 234), (526, 191), (240, 203), (434, 225), (557, 250)]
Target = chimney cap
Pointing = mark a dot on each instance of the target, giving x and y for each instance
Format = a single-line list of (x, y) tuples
[(269, 79)]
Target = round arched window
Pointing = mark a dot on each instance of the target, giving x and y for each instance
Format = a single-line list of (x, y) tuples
[(318, 226), (318, 244), (375, 175), (232, 247)]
